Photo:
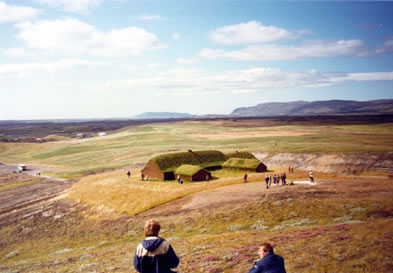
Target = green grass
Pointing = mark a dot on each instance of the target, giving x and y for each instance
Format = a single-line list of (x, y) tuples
[(189, 170), (241, 163), (170, 162), (138, 144)]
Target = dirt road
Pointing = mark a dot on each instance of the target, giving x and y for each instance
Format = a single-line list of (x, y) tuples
[(32, 196)]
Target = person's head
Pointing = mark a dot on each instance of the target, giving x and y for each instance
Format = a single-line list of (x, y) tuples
[(265, 249), (152, 228)]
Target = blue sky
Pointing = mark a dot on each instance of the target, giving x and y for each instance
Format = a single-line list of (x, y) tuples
[(119, 58)]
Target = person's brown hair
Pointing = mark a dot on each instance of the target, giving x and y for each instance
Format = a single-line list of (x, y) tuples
[(267, 247), (152, 228)]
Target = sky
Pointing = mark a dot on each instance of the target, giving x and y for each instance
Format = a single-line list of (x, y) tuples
[(62, 59)]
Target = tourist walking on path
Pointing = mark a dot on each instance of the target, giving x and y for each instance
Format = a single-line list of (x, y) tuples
[(268, 262), (154, 254), (274, 179), (283, 179), (267, 181), (128, 174), (245, 178)]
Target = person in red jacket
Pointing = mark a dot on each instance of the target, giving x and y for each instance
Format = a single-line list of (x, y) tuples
[(154, 254)]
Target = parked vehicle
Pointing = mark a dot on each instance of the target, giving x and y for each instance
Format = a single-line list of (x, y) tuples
[(22, 167)]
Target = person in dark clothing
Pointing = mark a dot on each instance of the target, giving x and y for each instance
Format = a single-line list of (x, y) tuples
[(128, 174), (245, 178), (267, 181), (269, 262), (154, 254)]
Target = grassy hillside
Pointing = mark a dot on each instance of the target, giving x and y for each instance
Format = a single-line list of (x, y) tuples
[(341, 224)]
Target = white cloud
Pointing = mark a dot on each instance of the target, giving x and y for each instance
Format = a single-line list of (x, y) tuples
[(150, 17), (11, 13), (313, 49), (15, 52), (371, 76), (246, 33), (194, 81), (75, 37), (387, 47), (24, 69), (187, 61), (176, 36), (70, 5)]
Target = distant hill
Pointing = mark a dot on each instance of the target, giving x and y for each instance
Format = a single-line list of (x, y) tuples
[(305, 108), (162, 115)]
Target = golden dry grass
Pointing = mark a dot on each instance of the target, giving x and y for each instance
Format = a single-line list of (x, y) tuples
[(117, 192)]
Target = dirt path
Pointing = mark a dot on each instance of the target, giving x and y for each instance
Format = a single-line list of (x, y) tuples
[(224, 196), (20, 202)]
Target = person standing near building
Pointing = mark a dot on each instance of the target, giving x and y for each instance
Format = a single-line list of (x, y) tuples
[(268, 262), (267, 181), (311, 175), (284, 178), (154, 254)]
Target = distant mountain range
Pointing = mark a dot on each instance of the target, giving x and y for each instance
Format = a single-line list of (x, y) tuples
[(162, 115), (305, 108), (295, 108)]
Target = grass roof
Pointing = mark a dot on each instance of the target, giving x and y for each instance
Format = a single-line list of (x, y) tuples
[(189, 170), (241, 163), (241, 155), (170, 162)]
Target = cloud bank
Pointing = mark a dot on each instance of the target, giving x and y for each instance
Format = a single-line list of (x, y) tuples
[(25, 69), (182, 81), (11, 13), (70, 5), (72, 36), (246, 33)]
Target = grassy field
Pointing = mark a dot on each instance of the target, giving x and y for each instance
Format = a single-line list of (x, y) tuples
[(343, 224), (136, 145)]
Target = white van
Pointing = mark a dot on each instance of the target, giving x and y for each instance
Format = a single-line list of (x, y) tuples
[(22, 167)]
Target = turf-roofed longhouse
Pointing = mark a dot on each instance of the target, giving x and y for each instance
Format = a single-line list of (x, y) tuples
[(192, 173), (163, 167), (245, 164)]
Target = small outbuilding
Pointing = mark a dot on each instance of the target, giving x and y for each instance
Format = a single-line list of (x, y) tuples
[(192, 173), (245, 164)]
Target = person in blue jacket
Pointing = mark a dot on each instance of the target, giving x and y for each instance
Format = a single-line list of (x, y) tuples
[(154, 254), (269, 262)]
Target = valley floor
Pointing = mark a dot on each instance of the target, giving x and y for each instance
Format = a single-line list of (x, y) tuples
[(341, 224)]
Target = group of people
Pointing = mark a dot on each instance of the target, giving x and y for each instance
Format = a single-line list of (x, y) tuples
[(156, 255), (276, 178)]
